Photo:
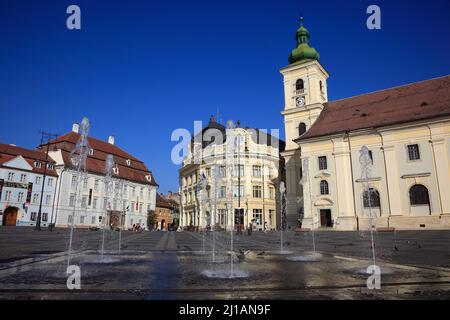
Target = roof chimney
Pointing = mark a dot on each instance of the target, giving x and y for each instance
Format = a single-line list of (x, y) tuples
[(111, 140), (75, 127)]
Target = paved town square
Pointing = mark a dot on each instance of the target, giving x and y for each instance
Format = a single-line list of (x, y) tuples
[(234, 152), (179, 265)]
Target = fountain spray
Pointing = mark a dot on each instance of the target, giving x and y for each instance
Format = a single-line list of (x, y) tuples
[(119, 194), (109, 164), (283, 209), (215, 186), (199, 190), (229, 160), (203, 185), (305, 168), (366, 167), (78, 157)]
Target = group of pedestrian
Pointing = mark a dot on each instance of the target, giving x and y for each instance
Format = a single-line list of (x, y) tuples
[(138, 227)]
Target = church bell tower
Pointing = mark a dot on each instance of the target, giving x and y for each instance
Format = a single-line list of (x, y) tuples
[(305, 92)]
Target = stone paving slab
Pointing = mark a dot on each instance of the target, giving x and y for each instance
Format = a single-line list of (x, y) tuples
[(169, 265)]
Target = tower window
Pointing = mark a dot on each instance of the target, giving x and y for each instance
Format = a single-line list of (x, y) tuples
[(413, 152), (321, 86), (371, 156), (299, 86), (324, 187), (301, 128), (323, 163), (371, 198)]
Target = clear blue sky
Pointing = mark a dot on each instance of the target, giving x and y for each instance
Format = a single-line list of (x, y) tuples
[(139, 69)]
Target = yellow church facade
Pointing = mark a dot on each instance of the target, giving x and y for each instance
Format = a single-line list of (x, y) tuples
[(406, 131)]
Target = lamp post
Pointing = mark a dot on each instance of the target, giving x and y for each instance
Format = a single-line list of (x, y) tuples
[(44, 136)]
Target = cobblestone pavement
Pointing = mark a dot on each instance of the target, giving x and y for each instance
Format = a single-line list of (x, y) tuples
[(181, 265)]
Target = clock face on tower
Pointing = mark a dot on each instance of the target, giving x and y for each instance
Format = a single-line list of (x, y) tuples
[(300, 101)]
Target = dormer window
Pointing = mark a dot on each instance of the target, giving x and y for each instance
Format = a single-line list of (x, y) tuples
[(149, 178), (50, 166), (299, 86), (116, 170), (91, 152), (128, 162), (37, 164)]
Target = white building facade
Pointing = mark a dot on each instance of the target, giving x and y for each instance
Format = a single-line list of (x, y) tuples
[(405, 130), (255, 182), (21, 183), (132, 193)]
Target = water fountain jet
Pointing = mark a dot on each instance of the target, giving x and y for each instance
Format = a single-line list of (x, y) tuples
[(366, 167), (78, 157), (282, 214), (109, 164), (229, 162)]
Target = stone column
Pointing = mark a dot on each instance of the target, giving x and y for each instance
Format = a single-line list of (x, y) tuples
[(442, 173), (292, 160), (393, 178), (344, 186), (308, 199)]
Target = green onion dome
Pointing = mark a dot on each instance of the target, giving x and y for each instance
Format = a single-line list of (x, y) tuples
[(303, 50)]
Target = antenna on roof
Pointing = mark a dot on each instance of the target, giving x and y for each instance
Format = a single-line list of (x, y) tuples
[(46, 137)]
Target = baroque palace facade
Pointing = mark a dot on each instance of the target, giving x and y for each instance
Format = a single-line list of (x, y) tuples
[(406, 130), (27, 181), (133, 193), (255, 180)]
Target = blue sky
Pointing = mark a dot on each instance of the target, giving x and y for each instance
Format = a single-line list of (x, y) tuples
[(140, 69)]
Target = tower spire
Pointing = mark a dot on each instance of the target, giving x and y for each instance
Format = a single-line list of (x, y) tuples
[(303, 50)]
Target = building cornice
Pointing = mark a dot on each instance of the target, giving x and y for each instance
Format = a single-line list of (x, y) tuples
[(28, 171), (373, 130), (305, 65), (310, 107)]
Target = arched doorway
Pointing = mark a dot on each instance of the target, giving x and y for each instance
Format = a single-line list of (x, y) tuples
[(10, 216), (208, 220), (163, 224), (114, 219)]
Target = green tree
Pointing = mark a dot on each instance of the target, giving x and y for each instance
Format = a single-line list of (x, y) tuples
[(151, 219)]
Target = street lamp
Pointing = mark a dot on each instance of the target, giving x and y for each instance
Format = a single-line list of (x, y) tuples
[(47, 137)]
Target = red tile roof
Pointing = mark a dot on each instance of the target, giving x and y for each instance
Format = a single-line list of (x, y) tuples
[(95, 163), (162, 202), (413, 102), (9, 152)]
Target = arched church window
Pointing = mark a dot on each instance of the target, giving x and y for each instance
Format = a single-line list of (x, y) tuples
[(301, 128), (418, 195), (371, 198), (324, 187)]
